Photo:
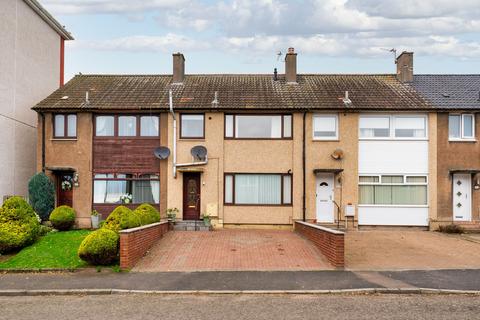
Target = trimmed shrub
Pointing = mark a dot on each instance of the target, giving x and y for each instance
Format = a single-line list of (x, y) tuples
[(41, 193), (100, 247), (122, 218), (62, 218), (147, 213), (19, 224)]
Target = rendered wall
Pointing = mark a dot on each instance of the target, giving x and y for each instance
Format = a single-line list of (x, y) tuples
[(30, 70)]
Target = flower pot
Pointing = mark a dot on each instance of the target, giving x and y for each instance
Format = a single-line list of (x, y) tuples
[(207, 222), (95, 221)]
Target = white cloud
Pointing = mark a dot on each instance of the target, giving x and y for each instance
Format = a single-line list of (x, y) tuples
[(109, 6), (168, 43)]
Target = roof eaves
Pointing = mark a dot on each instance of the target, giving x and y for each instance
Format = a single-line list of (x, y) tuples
[(49, 19)]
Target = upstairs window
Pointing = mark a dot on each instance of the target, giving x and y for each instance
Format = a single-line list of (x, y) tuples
[(258, 126), (461, 127), (65, 126), (127, 126), (409, 127), (325, 127), (192, 126)]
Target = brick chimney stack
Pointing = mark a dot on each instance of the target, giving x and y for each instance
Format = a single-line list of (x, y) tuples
[(405, 67), (291, 66), (178, 68)]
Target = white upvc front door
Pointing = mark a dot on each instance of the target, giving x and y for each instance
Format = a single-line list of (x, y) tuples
[(325, 197), (462, 197)]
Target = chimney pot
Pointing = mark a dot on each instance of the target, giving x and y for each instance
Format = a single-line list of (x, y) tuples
[(275, 74), (178, 68), (291, 66), (405, 67)]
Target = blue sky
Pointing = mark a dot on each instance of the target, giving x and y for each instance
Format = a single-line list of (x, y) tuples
[(244, 36)]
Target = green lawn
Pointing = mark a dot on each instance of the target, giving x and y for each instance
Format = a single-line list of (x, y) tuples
[(55, 250)]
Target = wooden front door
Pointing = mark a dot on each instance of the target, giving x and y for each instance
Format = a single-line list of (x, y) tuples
[(191, 196), (65, 189)]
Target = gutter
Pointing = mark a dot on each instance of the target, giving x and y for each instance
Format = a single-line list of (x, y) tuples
[(304, 208), (49, 19)]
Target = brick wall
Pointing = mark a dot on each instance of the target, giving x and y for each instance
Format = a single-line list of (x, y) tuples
[(135, 242), (330, 242)]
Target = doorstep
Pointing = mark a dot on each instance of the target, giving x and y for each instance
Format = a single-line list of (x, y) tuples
[(191, 225)]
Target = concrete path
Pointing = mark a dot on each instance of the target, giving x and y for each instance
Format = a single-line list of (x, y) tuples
[(249, 280), (233, 250), (401, 250)]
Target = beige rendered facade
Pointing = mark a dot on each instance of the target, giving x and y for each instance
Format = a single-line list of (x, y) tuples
[(31, 68)]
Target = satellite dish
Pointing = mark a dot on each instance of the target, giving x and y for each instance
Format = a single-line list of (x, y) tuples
[(337, 154), (161, 153), (199, 153)]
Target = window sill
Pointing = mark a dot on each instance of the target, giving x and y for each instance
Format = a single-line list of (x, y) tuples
[(462, 140), (63, 139), (191, 139), (257, 205), (393, 206), (323, 140), (393, 139)]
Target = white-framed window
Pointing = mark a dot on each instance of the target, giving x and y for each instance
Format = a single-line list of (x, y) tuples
[(325, 127), (258, 189), (461, 126), (258, 126), (399, 127), (393, 189), (192, 126)]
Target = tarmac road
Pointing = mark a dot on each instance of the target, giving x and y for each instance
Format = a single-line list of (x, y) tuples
[(237, 307)]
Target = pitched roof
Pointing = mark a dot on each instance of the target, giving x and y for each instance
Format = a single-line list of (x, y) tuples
[(49, 19), (450, 91), (234, 92)]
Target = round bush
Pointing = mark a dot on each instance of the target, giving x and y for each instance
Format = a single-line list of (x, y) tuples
[(19, 224), (122, 218), (100, 247), (147, 213), (62, 218)]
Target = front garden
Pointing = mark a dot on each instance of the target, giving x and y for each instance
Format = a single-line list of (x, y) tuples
[(46, 241)]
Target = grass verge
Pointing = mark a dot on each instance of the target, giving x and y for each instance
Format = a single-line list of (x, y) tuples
[(56, 250)]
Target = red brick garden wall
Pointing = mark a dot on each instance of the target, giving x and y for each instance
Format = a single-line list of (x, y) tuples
[(134, 243), (330, 242)]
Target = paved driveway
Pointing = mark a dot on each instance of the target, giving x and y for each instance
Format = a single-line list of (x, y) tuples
[(232, 250), (394, 250)]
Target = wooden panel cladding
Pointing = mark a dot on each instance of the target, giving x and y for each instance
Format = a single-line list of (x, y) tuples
[(125, 155)]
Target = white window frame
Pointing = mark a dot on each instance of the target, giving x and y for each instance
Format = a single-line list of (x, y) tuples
[(462, 122), (405, 175), (392, 122), (325, 115)]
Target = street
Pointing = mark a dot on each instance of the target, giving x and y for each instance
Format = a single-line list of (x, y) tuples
[(242, 307)]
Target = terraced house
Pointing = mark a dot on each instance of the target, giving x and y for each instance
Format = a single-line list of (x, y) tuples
[(260, 150)]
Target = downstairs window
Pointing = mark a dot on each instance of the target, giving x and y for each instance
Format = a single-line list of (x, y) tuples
[(393, 190), (111, 188)]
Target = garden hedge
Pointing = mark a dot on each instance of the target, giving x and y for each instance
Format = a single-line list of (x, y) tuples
[(147, 213), (122, 218), (63, 218), (19, 224), (100, 247)]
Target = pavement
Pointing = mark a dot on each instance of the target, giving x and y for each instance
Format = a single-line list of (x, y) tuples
[(233, 250), (236, 281), (239, 307)]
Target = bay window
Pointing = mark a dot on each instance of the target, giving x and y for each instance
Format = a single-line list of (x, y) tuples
[(461, 127), (258, 189), (393, 127), (393, 190), (248, 126), (65, 126), (109, 188)]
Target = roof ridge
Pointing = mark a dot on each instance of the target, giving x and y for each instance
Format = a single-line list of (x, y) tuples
[(235, 74)]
